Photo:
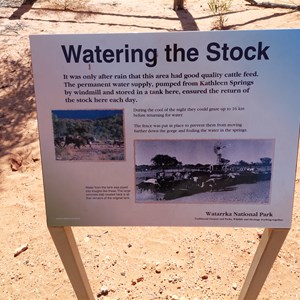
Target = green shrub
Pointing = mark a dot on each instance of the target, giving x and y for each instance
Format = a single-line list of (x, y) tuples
[(219, 8)]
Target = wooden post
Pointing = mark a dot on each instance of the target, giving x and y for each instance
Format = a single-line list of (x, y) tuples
[(68, 251), (178, 4), (266, 253)]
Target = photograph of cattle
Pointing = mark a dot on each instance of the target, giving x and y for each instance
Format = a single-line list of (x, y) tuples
[(91, 135), (204, 171)]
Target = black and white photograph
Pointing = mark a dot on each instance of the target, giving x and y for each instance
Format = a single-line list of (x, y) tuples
[(204, 171), (95, 135)]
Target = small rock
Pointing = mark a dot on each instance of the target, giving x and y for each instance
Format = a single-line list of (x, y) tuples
[(21, 249), (133, 282), (123, 273), (234, 286), (174, 297), (16, 161), (158, 269), (35, 159), (103, 291), (204, 277)]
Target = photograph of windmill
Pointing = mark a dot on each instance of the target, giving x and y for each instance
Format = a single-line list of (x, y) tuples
[(204, 171)]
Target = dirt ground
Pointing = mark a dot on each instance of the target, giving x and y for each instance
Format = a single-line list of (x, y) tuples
[(126, 263)]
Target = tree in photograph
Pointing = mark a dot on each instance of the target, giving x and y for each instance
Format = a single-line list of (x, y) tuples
[(162, 161), (59, 126), (243, 163), (81, 128), (266, 161)]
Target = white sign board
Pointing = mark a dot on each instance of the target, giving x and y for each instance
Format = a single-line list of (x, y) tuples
[(183, 129)]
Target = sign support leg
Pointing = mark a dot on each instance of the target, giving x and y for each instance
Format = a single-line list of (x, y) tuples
[(266, 253), (68, 251)]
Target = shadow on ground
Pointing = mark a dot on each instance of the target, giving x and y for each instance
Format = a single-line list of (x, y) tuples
[(17, 104)]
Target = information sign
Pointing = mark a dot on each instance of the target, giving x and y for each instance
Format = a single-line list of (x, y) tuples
[(171, 129)]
